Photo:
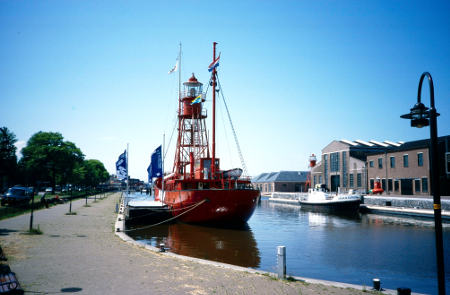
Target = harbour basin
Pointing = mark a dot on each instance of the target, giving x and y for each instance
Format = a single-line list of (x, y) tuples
[(351, 249)]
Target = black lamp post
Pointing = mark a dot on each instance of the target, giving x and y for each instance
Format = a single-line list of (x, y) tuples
[(422, 116)]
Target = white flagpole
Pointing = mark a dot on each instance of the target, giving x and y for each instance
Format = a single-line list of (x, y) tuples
[(127, 170), (179, 73), (162, 164)]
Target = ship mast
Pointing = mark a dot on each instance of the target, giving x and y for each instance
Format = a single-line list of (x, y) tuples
[(178, 153), (213, 160)]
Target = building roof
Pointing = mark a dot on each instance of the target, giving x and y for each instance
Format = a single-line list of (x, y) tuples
[(412, 145), (371, 143), (282, 176)]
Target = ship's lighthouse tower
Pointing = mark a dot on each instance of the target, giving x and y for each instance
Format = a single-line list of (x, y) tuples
[(192, 138)]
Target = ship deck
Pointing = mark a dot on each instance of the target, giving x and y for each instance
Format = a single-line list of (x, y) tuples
[(144, 210)]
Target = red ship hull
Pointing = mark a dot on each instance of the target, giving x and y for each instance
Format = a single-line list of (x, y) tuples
[(215, 206)]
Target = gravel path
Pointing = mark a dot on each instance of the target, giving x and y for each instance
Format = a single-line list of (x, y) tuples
[(80, 253)]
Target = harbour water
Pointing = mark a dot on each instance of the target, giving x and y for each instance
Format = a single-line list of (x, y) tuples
[(356, 249)]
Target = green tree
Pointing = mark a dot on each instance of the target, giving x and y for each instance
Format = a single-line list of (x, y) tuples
[(8, 158), (95, 173), (47, 157), (79, 174)]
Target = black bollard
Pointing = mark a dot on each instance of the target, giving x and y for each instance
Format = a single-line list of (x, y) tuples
[(376, 284)]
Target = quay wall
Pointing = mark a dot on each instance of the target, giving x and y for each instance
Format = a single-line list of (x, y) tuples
[(395, 201), (287, 196)]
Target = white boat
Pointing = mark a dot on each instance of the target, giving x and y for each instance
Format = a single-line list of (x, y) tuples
[(145, 210), (320, 199)]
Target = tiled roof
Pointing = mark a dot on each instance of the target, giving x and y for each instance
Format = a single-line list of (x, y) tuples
[(282, 176)]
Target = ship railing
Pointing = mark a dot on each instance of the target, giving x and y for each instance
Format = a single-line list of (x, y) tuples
[(349, 191), (187, 93)]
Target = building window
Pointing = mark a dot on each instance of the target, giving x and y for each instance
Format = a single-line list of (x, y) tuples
[(314, 183), (392, 160), (380, 163), (419, 159), (417, 185), (424, 185), (351, 179), (344, 169), (372, 183), (334, 162), (383, 184), (370, 163), (390, 185), (358, 180), (405, 161), (396, 185), (447, 163), (325, 169), (320, 179)]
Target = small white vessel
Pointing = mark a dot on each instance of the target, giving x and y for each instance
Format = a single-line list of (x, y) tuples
[(145, 210), (320, 199)]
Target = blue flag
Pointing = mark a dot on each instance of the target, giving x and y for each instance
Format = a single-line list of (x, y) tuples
[(155, 168), (121, 166)]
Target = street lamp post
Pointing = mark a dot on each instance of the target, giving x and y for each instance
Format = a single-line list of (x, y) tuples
[(70, 207), (421, 116)]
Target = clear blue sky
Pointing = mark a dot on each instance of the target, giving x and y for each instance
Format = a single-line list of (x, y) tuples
[(296, 74)]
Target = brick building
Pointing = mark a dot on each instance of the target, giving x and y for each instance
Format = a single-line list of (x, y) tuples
[(405, 169), (343, 164)]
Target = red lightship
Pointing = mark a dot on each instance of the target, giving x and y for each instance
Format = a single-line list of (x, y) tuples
[(197, 190)]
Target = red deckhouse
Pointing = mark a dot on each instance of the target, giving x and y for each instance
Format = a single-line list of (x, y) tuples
[(197, 190)]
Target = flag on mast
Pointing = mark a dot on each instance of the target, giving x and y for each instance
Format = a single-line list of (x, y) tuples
[(121, 166), (155, 167), (214, 64), (198, 99), (175, 68)]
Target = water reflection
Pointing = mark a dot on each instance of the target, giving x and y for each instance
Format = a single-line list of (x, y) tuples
[(229, 245), (352, 249)]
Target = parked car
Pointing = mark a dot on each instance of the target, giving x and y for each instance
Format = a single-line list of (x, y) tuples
[(17, 195), (49, 190)]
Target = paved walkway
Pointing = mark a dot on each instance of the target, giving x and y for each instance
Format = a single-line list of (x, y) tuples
[(82, 253)]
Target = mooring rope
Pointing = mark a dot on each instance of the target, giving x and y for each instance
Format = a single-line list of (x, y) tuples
[(167, 220), (162, 209)]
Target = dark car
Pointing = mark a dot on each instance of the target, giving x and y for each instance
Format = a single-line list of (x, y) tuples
[(17, 195)]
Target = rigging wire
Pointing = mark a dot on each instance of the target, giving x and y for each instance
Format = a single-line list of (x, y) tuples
[(226, 137), (171, 136), (241, 157)]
